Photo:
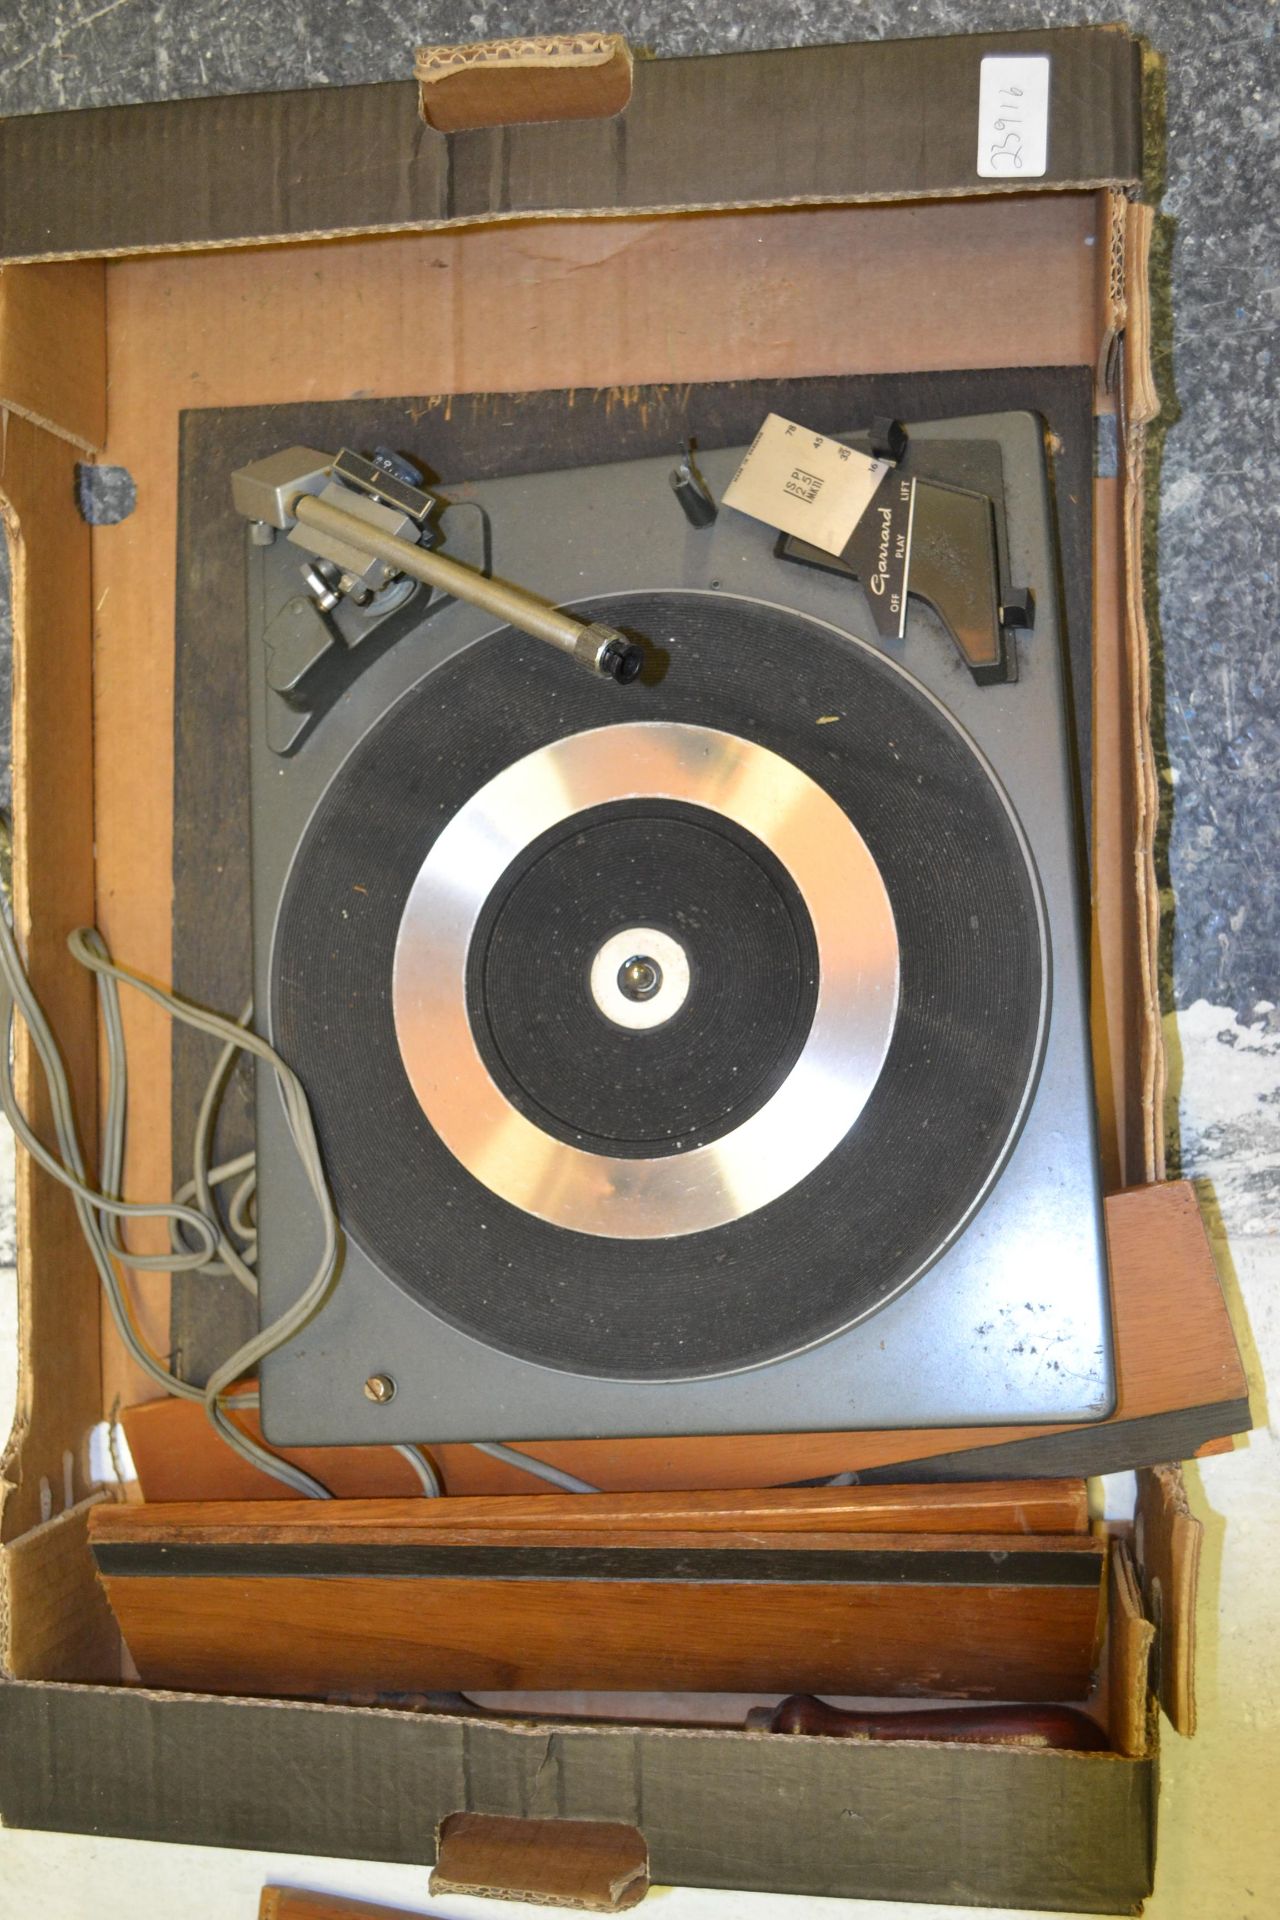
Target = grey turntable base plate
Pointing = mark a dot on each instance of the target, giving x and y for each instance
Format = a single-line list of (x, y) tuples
[(482, 434), (1010, 1322)]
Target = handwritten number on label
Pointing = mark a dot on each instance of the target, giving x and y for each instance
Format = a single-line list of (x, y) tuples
[(1013, 111), (1008, 153)]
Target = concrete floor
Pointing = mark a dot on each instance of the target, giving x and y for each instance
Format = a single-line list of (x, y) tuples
[(1218, 722)]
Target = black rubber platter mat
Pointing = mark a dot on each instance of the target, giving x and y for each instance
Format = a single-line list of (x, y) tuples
[(931, 1131), (476, 436)]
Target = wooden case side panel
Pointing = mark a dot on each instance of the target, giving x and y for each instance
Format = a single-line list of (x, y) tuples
[(296, 1903), (316, 1638), (1014, 1507)]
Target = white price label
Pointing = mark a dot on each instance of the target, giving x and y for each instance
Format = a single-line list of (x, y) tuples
[(1013, 116), (804, 483)]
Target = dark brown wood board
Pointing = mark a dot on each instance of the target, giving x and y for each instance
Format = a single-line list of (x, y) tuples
[(1041, 1727)]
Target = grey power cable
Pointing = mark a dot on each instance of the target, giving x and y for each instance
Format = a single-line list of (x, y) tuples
[(541, 1469), (87, 947), (417, 1459), (100, 1209), (236, 1263), (203, 1179), (200, 1185), (242, 1168), (423, 1468), (237, 1216)]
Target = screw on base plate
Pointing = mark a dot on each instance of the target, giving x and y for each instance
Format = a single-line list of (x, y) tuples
[(380, 1387)]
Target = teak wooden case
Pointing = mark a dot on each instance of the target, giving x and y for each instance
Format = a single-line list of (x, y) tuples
[(846, 1591), (195, 254)]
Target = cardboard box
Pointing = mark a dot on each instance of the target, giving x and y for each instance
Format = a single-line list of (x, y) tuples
[(755, 215)]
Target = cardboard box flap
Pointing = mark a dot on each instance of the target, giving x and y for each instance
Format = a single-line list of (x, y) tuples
[(878, 121), (552, 76), (53, 349), (55, 1624), (774, 1813), (1130, 1636), (597, 1866), (179, 175), (1167, 1542), (875, 121)]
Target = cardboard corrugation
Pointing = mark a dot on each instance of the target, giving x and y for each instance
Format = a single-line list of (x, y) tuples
[(1130, 1636), (1128, 1038), (1141, 405)]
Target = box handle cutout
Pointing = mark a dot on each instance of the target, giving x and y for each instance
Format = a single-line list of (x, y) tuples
[(502, 83)]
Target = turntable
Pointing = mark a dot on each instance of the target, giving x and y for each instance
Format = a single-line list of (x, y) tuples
[(707, 1053)]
